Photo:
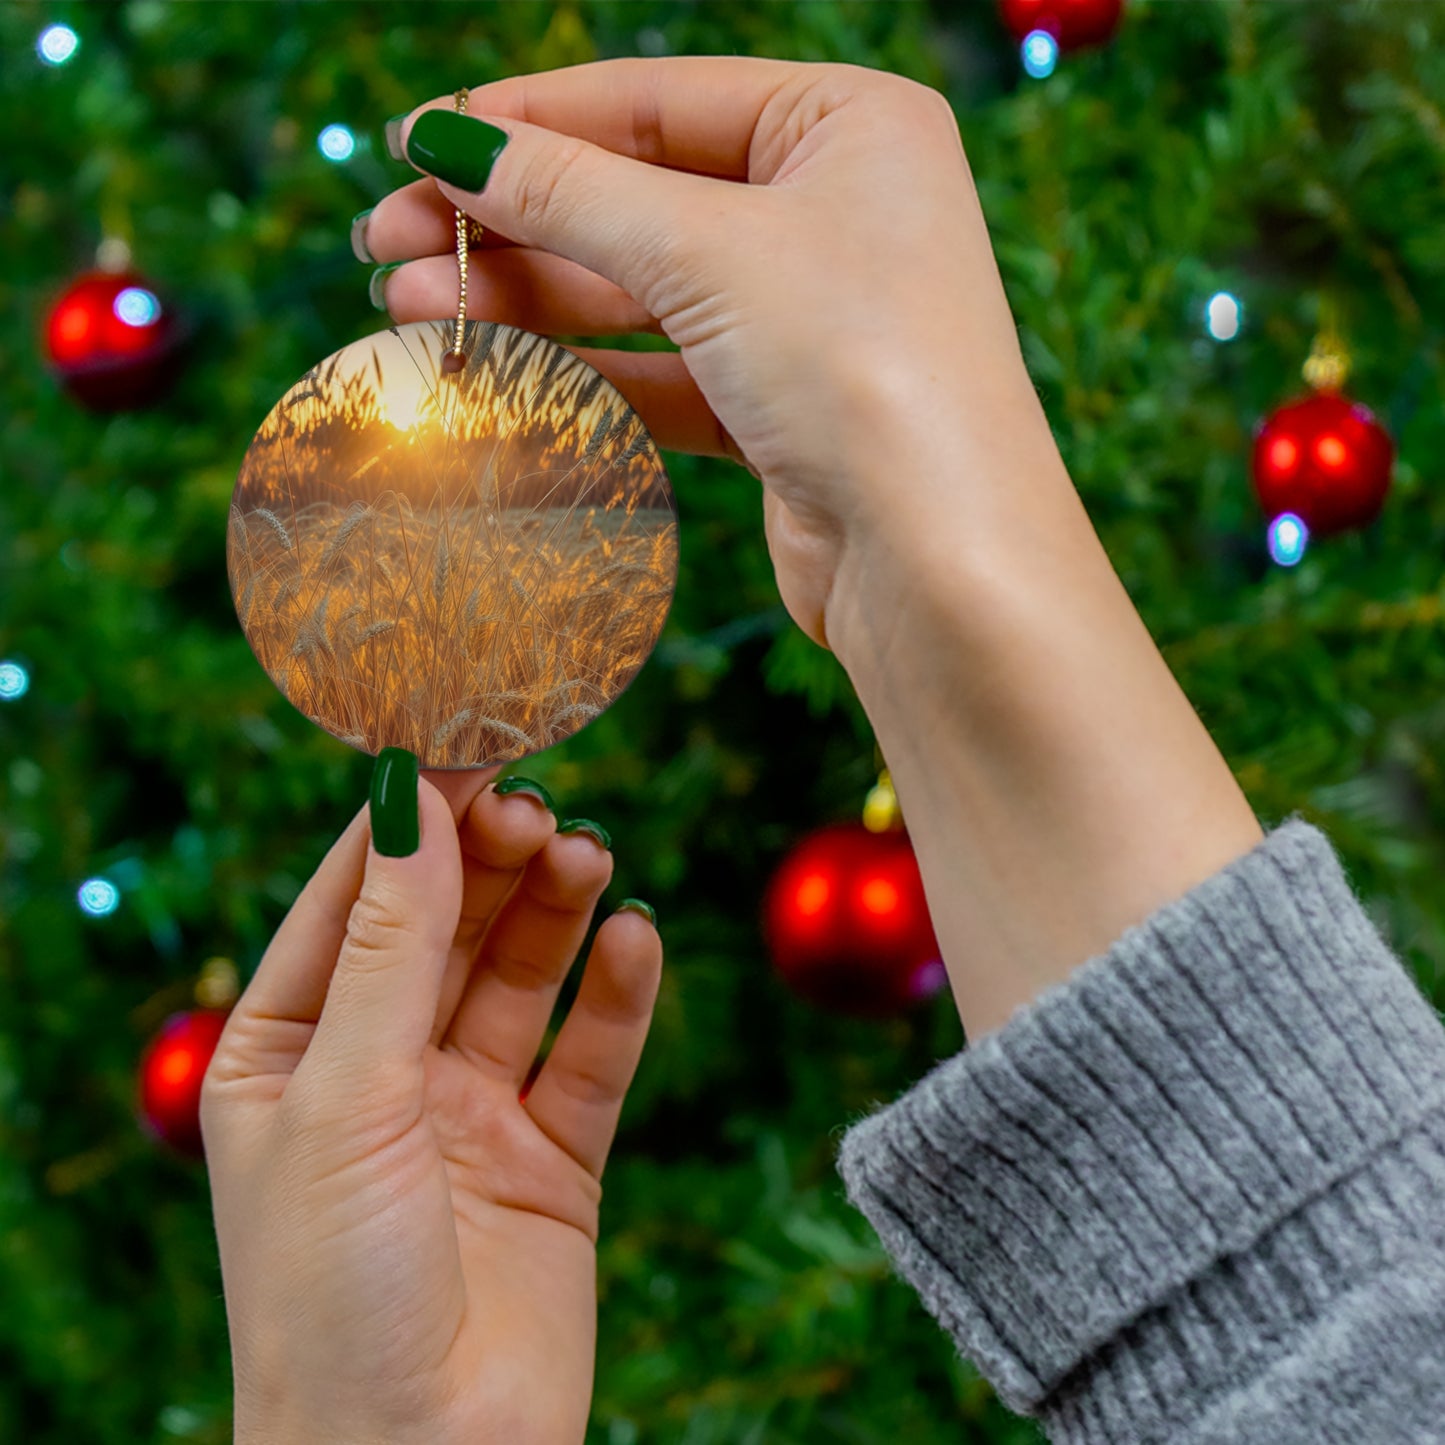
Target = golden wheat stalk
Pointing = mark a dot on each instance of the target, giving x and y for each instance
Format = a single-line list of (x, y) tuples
[(439, 576), (276, 525), (445, 732), (339, 538)]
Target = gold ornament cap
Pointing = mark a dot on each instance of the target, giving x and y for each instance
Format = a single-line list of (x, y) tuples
[(219, 985), (1328, 366), (881, 813)]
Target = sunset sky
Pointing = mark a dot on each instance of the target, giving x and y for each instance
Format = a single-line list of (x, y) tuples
[(513, 429)]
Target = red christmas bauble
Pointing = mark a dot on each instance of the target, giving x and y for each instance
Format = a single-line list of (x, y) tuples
[(171, 1072), (1326, 459), (112, 341), (847, 924), (1073, 23)]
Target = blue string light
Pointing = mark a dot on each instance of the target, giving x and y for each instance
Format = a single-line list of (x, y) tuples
[(14, 681), (137, 307), (98, 897), (57, 44), (1040, 53), (1288, 538), (336, 143)]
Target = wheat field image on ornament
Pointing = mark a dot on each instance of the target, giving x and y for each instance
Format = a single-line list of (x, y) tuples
[(468, 564)]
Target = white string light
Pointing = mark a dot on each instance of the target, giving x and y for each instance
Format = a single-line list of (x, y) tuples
[(14, 681), (57, 44), (1288, 538), (1223, 316), (1040, 53), (336, 143), (98, 897)]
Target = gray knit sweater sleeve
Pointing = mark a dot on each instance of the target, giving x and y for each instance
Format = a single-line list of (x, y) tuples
[(1196, 1192)]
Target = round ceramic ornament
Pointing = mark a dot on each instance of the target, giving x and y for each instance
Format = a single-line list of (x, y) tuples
[(454, 538), (459, 541)]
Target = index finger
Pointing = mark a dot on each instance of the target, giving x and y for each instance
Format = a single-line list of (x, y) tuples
[(687, 112), (292, 978)]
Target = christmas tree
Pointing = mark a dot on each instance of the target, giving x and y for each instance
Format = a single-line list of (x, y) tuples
[(1179, 215)]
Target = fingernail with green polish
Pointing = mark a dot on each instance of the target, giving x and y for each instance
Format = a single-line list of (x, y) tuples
[(359, 247), (376, 288), (586, 825), (526, 785), (636, 905), (393, 136), (395, 824), (455, 148)]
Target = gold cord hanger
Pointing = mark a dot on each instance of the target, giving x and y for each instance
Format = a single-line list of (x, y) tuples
[(469, 233)]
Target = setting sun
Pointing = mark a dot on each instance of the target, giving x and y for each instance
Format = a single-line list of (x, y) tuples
[(408, 399)]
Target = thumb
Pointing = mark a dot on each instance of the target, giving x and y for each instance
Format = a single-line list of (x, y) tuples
[(382, 1000), (634, 224)]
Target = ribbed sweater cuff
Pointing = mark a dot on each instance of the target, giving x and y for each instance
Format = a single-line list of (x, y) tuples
[(1159, 1156)]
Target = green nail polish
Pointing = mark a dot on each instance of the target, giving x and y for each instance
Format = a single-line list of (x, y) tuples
[(376, 289), (359, 247), (586, 825), (455, 148), (636, 905), (526, 785), (392, 131), (395, 825)]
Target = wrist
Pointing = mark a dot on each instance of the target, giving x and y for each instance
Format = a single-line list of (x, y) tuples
[(1056, 782)]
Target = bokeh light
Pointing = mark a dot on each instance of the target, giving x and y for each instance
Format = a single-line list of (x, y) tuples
[(813, 894), (177, 1066), (1040, 53), (57, 44), (929, 979), (14, 681), (98, 897), (1283, 454), (1223, 316), (336, 143), (1288, 538), (879, 897), (137, 307)]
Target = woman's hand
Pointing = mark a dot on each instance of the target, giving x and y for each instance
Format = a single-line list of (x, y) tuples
[(810, 237), (408, 1248), (831, 313)]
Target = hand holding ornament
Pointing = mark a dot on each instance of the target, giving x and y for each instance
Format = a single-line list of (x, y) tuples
[(407, 1223)]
